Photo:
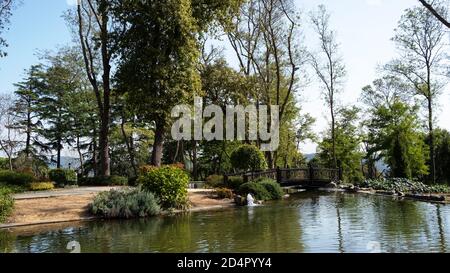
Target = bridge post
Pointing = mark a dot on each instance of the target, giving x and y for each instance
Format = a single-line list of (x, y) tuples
[(311, 172), (225, 179), (279, 178)]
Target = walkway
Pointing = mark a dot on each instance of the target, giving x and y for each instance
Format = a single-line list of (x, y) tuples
[(62, 192)]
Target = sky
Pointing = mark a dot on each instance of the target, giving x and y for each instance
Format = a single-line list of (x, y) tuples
[(364, 29)]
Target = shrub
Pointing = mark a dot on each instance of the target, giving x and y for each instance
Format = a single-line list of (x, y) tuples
[(224, 193), (125, 204), (215, 181), (403, 185), (234, 182), (275, 190), (257, 189), (168, 183), (6, 204), (41, 186), (113, 180), (63, 176), (248, 157), (13, 178)]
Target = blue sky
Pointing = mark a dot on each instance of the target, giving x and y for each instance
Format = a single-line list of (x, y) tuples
[(364, 29)]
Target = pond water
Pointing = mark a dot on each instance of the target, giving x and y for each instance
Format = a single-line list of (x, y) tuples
[(307, 222)]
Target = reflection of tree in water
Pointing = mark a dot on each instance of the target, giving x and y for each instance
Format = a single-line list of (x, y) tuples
[(402, 223), (442, 241)]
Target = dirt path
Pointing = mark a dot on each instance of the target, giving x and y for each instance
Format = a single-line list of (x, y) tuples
[(72, 205)]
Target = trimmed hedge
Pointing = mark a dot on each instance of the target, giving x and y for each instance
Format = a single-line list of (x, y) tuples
[(274, 189), (256, 189), (223, 193), (63, 177), (234, 182), (125, 204), (168, 183), (41, 186), (215, 181), (13, 178), (248, 157)]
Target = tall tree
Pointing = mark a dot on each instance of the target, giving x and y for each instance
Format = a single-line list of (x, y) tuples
[(420, 39), (393, 128), (160, 71), (329, 67), (98, 47), (27, 117), (265, 37)]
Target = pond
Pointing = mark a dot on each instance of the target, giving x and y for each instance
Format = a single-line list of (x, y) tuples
[(307, 222)]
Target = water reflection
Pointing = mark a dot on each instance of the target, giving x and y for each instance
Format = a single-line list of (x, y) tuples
[(308, 222)]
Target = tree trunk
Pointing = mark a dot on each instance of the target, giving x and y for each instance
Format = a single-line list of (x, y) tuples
[(194, 160), (158, 145), (432, 151), (80, 155), (58, 156), (128, 143), (333, 136)]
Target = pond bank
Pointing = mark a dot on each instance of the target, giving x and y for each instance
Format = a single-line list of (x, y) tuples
[(71, 205)]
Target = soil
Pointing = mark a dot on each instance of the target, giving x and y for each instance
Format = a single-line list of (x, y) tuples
[(56, 209)]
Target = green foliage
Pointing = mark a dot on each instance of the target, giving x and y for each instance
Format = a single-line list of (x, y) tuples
[(256, 189), (112, 180), (13, 178), (6, 204), (272, 187), (224, 193), (168, 183), (214, 181), (234, 182), (41, 186), (442, 153), (125, 204), (4, 164), (248, 157), (403, 185), (395, 135), (348, 141), (63, 176)]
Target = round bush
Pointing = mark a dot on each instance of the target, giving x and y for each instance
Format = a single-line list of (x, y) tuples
[(125, 204), (214, 181), (168, 183), (248, 157), (234, 182), (63, 177), (275, 190), (13, 178), (256, 189)]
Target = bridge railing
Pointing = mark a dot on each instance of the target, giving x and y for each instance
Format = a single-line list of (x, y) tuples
[(292, 175)]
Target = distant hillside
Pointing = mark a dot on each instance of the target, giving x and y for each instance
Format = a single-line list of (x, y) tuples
[(65, 161), (381, 166)]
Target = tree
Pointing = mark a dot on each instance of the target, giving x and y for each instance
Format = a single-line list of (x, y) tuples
[(394, 129), (8, 142), (98, 47), (329, 68), (62, 79), (436, 12), (5, 13), (160, 71), (347, 145), (264, 37), (420, 39), (248, 158), (442, 148), (26, 113)]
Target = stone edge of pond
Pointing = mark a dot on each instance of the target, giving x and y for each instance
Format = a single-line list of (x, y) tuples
[(92, 218)]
